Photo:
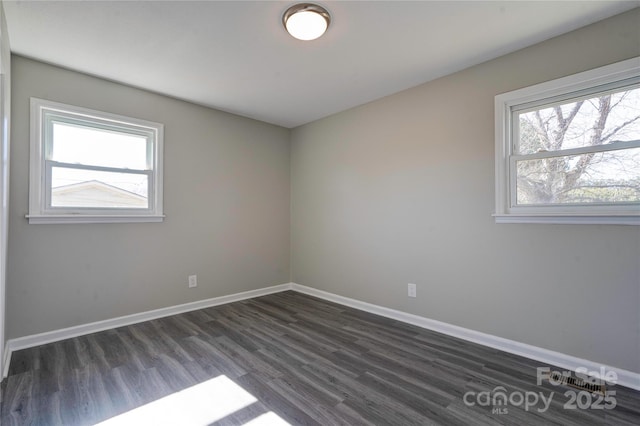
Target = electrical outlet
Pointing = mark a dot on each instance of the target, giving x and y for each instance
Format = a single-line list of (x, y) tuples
[(412, 290), (193, 281)]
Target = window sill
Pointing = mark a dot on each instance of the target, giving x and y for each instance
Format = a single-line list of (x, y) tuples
[(58, 219), (569, 219)]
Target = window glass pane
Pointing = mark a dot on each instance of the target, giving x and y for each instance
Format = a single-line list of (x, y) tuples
[(602, 177), (596, 121), (90, 188), (97, 147)]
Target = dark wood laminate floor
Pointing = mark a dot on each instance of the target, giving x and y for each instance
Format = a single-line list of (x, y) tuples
[(285, 357)]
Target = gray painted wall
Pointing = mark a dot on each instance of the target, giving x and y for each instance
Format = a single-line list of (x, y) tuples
[(401, 190), (226, 198)]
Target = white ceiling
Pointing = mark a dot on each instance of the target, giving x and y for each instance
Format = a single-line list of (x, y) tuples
[(235, 55)]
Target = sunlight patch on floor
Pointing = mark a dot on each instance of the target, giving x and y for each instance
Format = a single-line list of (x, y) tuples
[(267, 419), (201, 404)]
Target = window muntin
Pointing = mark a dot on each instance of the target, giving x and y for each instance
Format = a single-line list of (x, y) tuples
[(568, 151), (89, 166)]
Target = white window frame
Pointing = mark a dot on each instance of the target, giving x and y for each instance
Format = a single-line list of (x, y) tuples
[(572, 86), (40, 209)]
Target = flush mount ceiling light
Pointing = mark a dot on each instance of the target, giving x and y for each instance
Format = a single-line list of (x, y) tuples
[(306, 21)]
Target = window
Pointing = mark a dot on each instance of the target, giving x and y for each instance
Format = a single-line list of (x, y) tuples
[(91, 166), (568, 150)]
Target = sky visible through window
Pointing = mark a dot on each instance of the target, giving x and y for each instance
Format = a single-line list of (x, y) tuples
[(86, 146)]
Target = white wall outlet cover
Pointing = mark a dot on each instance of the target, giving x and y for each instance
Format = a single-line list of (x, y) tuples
[(193, 281), (411, 290)]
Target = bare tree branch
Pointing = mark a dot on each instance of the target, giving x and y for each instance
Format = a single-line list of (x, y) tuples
[(556, 179), (596, 139), (544, 130), (620, 127), (622, 98)]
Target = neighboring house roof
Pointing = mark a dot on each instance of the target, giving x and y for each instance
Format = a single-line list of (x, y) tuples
[(94, 193)]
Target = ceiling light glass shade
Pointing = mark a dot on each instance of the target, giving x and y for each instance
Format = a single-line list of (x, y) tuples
[(306, 21)]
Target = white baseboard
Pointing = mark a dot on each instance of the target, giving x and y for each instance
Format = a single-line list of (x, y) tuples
[(80, 330), (625, 378), (6, 361)]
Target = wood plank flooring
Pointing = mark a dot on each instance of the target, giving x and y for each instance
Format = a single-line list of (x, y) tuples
[(300, 360)]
